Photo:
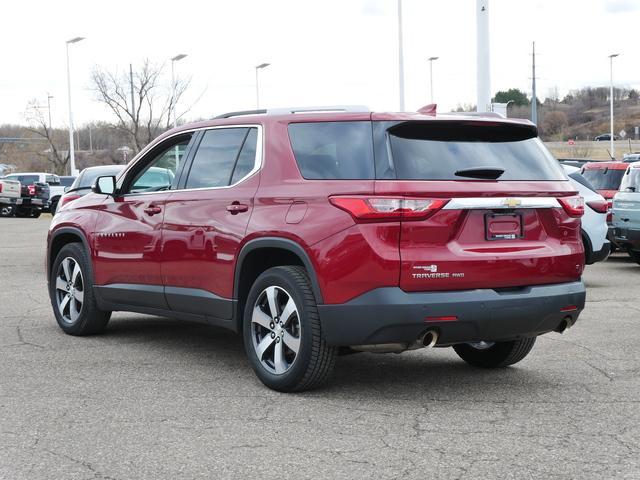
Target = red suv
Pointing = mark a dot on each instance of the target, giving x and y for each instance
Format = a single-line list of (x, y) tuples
[(315, 233)]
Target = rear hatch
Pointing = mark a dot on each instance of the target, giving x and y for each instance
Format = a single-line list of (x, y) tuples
[(487, 205), (626, 203)]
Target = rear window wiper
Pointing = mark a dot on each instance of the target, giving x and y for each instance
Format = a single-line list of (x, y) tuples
[(489, 173)]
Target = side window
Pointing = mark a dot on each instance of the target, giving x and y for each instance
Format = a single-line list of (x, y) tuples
[(159, 173), (247, 158), (215, 158)]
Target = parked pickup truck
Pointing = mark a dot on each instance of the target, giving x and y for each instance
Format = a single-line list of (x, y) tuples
[(34, 193), (10, 197), (56, 188)]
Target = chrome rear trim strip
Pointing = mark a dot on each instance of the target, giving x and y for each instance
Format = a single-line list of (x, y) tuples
[(476, 203)]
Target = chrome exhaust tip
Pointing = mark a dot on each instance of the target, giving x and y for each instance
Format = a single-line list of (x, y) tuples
[(429, 339)]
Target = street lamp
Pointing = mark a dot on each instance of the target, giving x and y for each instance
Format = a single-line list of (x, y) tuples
[(173, 86), (431, 60), (611, 57), (259, 67), (72, 158)]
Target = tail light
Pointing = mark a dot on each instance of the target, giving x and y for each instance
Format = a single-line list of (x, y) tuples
[(600, 206), (66, 199), (0, 188), (32, 190), (574, 206), (609, 209), (381, 209)]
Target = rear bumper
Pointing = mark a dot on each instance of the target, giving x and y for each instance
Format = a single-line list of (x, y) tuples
[(391, 315), (10, 201), (599, 255), (627, 238)]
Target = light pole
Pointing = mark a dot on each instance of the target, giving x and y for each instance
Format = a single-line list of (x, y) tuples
[(400, 58), (431, 60), (259, 67), (611, 57), (72, 158), (49, 97), (173, 87)]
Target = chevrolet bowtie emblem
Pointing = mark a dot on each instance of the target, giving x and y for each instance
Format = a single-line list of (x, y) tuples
[(511, 202)]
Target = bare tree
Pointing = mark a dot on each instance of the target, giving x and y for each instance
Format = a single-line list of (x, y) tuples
[(149, 113), (54, 138)]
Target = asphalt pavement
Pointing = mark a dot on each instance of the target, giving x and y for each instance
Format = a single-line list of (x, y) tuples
[(155, 398)]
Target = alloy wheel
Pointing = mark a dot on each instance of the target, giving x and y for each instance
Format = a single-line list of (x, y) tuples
[(276, 330), (69, 290)]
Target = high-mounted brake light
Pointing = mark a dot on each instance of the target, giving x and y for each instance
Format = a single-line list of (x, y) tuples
[(380, 209), (574, 206), (600, 206)]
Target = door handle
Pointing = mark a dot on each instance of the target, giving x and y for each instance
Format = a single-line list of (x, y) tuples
[(152, 210), (237, 207)]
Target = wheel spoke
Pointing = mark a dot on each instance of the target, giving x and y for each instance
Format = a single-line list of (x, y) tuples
[(61, 284), (63, 304), (278, 358), (261, 318), (66, 269), (292, 342), (76, 271), (288, 310), (263, 345), (73, 310), (79, 296), (271, 298)]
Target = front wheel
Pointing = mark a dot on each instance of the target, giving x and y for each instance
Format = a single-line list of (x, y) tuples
[(494, 354), (71, 292), (7, 210), (282, 333)]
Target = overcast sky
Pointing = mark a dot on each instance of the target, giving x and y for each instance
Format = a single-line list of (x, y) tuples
[(321, 51)]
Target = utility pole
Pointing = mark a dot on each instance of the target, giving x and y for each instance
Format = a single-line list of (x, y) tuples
[(534, 99), (90, 140), (400, 58), (133, 102), (431, 60), (49, 97), (483, 58), (611, 57)]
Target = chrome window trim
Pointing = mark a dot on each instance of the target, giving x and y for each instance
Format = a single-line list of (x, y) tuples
[(257, 164), (507, 203)]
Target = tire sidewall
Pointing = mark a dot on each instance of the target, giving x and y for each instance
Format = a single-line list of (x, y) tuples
[(280, 278)]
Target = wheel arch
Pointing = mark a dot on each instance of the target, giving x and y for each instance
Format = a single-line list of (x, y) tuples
[(588, 247), (262, 253), (61, 237)]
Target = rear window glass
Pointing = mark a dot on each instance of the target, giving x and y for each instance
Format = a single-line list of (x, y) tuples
[(25, 179), (604, 178), (333, 150), (631, 181), (582, 181), (445, 150), (88, 177)]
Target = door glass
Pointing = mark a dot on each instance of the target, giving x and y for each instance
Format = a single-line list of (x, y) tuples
[(158, 175), (217, 153)]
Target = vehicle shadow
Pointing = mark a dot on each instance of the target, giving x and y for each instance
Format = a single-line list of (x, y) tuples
[(427, 372)]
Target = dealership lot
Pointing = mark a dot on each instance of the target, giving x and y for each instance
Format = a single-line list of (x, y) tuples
[(158, 398)]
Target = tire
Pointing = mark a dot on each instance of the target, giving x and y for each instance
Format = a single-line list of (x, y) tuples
[(500, 354), (36, 213), (53, 207), (635, 255), (23, 212), (78, 314), (313, 363), (7, 210)]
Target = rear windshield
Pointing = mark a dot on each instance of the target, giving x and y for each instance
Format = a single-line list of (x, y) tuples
[(604, 178), (333, 150), (631, 181), (582, 181), (445, 150), (25, 179), (67, 181)]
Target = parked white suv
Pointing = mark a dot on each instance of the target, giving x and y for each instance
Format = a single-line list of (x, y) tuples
[(594, 220)]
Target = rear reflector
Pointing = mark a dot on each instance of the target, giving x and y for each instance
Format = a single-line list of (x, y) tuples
[(574, 206), (446, 318), (380, 209), (569, 308), (600, 206)]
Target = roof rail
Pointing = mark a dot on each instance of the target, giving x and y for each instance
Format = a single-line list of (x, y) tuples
[(293, 110), (476, 114)]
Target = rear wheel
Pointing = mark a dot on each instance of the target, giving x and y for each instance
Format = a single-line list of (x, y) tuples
[(71, 292), (7, 210), (282, 334), (23, 212), (494, 354), (635, 256), (53, 207), (36, 213)]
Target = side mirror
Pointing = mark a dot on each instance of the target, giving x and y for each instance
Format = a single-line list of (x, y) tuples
[(104, 185)]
